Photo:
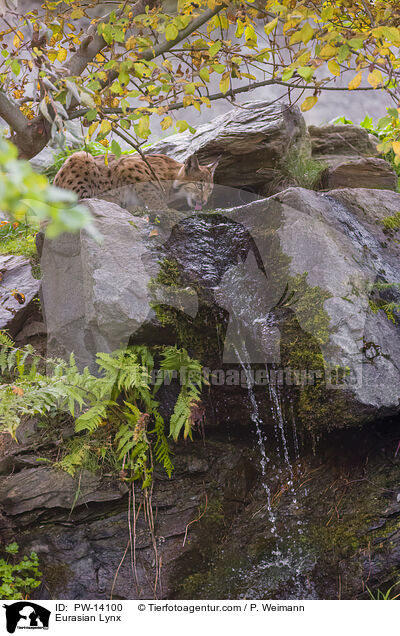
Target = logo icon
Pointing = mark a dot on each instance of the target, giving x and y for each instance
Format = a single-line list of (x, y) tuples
[(26, 615)]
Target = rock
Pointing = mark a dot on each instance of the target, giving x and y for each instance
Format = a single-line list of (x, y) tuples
[(291, 282), (256, 136), (34, 328), (357, 172), (16, 275), (79, 527), (106, 286), (43, 160), (215, 535), (43, 488), (342, 140)]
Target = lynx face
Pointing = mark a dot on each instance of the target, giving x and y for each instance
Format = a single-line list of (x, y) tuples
[(193, 185)]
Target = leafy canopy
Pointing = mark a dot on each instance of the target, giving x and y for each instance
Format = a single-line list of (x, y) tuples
[(121, 72)]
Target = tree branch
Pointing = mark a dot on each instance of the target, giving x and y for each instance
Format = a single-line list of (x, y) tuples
[(93, 44), (167, 45), (12, 114), (231, 93), (153, 52)]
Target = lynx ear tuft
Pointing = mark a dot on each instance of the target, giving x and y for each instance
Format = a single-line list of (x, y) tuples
[(213, 166), (192, 164)]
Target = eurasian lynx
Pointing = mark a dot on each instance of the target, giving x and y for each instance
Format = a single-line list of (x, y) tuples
[(132, 182)]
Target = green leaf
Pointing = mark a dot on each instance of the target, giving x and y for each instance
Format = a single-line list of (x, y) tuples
[(214, 48), (204, 74), (306, 72), (15, 67), (171, 32), (219, 68), (116, 148), (91, 115)]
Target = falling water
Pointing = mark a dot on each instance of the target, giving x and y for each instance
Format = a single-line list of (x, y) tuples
[(257, 420), (285, 557)]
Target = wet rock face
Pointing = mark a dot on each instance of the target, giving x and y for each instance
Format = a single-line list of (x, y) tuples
[(332, 528), (80, 527), (331, 532)]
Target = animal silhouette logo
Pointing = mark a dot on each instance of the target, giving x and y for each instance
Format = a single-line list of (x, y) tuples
[(26, 615)]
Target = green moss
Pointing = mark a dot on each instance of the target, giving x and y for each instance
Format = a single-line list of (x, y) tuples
[(208, 533), (198, 334), (20, 246), (303, 333), (391, 224)]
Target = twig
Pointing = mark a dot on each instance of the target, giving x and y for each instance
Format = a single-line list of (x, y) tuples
[(195, 521)]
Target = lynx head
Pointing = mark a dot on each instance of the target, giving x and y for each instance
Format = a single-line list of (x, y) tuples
[(194, 183)]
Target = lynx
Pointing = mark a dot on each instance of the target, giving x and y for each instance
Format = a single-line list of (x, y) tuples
[(133, 182)]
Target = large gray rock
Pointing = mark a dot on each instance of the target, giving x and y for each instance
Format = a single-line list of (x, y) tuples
[(293, 282), (344, 171), (256, 136), (16, 276), (345, 139)]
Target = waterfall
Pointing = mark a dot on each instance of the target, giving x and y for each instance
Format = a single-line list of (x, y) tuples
[(257, 420)]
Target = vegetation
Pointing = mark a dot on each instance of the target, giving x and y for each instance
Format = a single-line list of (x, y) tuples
[(18, 238), (383, 131), (27, 196), (18, 578), (304, 171), (391, 594), (123, 71), (119, 401)]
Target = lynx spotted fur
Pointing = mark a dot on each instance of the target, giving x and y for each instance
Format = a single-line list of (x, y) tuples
[(132, 182)]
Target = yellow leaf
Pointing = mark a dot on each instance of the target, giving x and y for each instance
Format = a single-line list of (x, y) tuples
[(308, 103), (224, 83), (375, 78), (396, 147), (130, 43), (328, 51), (92, 128), (166, 122), (355, 82), (105, 127), (270, 26), (334, 67), (52, 55), (77, 13), (62, 54)]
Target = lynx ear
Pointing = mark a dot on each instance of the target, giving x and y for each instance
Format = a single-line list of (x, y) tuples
[(192, 164), (213, 166)]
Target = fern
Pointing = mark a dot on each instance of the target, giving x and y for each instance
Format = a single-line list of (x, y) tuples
[(161, 448), (135, 429)]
